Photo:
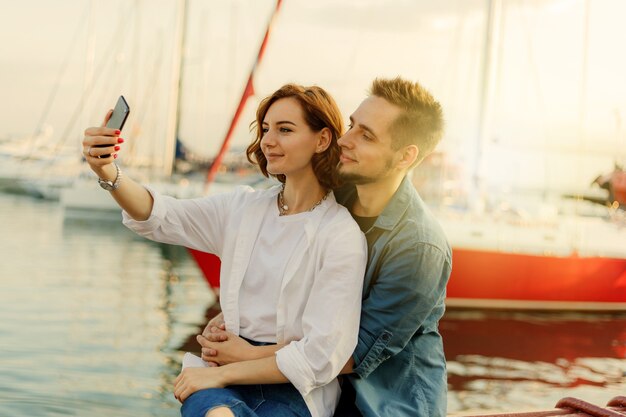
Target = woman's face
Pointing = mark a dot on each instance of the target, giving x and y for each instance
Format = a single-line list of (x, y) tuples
[(288, 143)]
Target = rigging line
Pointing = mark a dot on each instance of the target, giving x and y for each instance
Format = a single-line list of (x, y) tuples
[(500, 56), (148, 95), (137, 50), (64, 138), (200, 103), (583, 96), (105, 62), (351, 62), (178, 72), (534, 70), (452, 56), (116, 82), (62, 69), (247, 92), (51, 96), (584, 70), (493, 12), (536, 80)]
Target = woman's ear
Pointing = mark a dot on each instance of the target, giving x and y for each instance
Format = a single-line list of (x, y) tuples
[(323, 140)]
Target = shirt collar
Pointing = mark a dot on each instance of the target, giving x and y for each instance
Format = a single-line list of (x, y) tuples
[(393, 211), (396, 207)]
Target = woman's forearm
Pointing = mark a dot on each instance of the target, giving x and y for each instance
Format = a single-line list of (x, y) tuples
[(134, 199), (130, 195), (258, 371), (260, 352)]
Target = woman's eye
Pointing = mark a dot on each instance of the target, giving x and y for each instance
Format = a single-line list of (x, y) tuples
[(350, 125), (264, 130), (285, 129)]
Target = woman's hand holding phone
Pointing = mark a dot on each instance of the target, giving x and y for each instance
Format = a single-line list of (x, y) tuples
[(101, 144), (100, 147)]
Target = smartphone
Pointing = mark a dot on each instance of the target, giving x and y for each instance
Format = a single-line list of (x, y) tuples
[(118, 118)]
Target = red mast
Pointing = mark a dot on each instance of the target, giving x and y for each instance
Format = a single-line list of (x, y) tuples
[(247, 92)]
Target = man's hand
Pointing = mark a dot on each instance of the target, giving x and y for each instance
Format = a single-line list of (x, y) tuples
[(191, 380), (223, 347)]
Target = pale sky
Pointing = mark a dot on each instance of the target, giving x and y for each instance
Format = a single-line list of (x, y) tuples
[(553, 116)]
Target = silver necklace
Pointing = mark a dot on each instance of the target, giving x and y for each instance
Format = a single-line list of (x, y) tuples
[(283, 208)]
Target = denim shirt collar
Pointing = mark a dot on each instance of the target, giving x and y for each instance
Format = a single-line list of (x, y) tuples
[(397, 206), (393, 211)]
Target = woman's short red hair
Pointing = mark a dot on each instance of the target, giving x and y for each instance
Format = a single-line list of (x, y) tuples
[(320, 111)]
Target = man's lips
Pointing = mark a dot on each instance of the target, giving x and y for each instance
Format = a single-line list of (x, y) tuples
[(343, 158)]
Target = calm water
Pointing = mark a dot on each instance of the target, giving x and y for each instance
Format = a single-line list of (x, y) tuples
[(94, 321)]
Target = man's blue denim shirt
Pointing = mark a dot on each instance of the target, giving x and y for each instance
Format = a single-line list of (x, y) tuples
[(400, 367)]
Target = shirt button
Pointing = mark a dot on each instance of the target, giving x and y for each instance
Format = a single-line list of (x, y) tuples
[(386, 337)]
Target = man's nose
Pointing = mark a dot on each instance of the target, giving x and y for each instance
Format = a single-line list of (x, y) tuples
[(344, 141)]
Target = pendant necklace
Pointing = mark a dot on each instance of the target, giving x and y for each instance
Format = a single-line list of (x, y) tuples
[(283, 208)]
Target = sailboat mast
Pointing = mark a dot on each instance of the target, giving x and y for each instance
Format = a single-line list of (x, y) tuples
[(247, 92), (486, 88), (175, 87)]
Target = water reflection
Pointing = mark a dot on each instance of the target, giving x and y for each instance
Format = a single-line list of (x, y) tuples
[(94, 321), (518, 361), (91, 316)]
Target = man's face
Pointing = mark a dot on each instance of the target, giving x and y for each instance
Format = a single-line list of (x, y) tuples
[(366, 153)]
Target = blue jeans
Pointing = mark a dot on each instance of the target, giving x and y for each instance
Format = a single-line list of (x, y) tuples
[(271, 400), (280, 400)]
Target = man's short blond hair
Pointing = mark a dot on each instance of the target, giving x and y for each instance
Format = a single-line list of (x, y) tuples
[(421, 121)]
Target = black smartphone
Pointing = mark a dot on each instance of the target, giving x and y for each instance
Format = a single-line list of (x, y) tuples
[(118, 118)]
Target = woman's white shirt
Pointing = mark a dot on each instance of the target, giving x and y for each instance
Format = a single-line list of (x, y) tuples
[(275, 244), (321, 281)]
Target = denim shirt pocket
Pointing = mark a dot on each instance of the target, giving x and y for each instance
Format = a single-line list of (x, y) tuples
[(375, 355)]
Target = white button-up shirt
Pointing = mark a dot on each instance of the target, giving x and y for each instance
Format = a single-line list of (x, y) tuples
[(319, 303)]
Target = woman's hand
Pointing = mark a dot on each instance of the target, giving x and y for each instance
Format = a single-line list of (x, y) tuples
[(215, 324), (214, 332), (191, 380), (102, 135), (224, 347)]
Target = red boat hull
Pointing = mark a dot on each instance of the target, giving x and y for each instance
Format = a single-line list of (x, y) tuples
[(496, 279), (505, 280), (209, 264)]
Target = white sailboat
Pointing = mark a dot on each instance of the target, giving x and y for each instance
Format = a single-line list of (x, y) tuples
[(529, 252)]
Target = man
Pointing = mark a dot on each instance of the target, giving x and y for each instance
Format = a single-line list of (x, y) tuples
[(398, 367)]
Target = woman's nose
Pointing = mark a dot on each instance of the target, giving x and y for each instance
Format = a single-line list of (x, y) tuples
[(268, 139)]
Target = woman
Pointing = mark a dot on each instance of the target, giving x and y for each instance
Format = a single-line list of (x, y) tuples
[(292, 261)]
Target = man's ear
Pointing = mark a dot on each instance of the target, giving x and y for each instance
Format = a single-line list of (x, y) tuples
[(323, 140), (408, 155)]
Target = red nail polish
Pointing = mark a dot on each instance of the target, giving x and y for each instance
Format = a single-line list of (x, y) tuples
[(117, 132), (117, 148), (114, 156), (120, 140)]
